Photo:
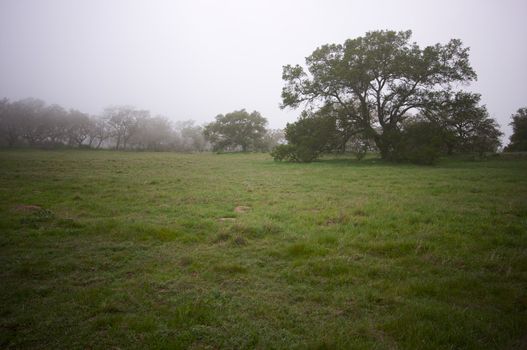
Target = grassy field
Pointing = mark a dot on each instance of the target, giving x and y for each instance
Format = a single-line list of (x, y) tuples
[(162, 250)]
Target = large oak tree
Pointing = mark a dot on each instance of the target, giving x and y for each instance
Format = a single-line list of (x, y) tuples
[(377, 81)]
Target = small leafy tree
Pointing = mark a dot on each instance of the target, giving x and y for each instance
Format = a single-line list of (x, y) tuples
[(309, 136), (321, 131), (284, 152), (518, 139), (124, 122), (10, 132), (79, 126), (238, 129)]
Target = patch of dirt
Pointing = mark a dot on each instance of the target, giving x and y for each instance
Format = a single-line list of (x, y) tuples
[(27, 208), (185, 261), (227, 219), (242, 209)]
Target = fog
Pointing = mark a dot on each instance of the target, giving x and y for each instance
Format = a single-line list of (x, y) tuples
[(196, 59)]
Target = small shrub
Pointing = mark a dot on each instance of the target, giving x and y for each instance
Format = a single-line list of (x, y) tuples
[(283, 152), (420, 142), (307, 137), (295, 153)]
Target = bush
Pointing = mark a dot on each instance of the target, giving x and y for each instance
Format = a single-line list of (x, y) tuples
[(283, 152), (308, 137), (420, 142), (294, 153)]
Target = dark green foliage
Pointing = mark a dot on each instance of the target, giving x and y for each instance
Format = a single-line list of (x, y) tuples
[(238, 129), (308, 137), (283, 152), (421, 142), (370, 84), (518, 140), (466, 126)]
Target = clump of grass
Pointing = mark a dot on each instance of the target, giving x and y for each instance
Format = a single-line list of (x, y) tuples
[(186, 261), (244, 230), (239, 241), (69, 223), (36, 218), (330, 268), (189, 312), (270, 228), (303, 250), (393, 249), (359, 212), (222, 237), (230, 268), (328, 240), (145, 232)]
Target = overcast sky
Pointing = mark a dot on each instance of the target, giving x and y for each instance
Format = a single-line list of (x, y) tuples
[(196, 59)]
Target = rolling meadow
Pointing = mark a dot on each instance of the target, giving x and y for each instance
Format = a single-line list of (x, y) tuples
[(102, 250)]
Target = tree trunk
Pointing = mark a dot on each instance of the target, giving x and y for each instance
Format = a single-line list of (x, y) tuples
[(384, 149), (387, 142), (11, 140), (382, 146)]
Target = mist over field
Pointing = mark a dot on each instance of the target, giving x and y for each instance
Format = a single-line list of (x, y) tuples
[(263, 174), (196, 59)]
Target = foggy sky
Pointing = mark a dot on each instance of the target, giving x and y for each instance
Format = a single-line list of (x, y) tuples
[(196, 59)]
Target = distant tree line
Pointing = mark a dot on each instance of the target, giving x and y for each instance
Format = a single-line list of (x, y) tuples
[(382, 91), (32, 123)]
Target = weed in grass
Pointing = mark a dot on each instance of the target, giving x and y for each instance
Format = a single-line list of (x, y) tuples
[(303, 250), (222, 237), (38, 216), (359, 212), (230, 268), (186, 261), (329, 241), (239, 241)]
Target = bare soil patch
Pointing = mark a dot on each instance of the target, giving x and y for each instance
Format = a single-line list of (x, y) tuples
[(242, 209), (227, 219), (27, 209)]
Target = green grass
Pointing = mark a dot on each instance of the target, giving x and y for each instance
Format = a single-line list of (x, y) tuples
[(145, 250)]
